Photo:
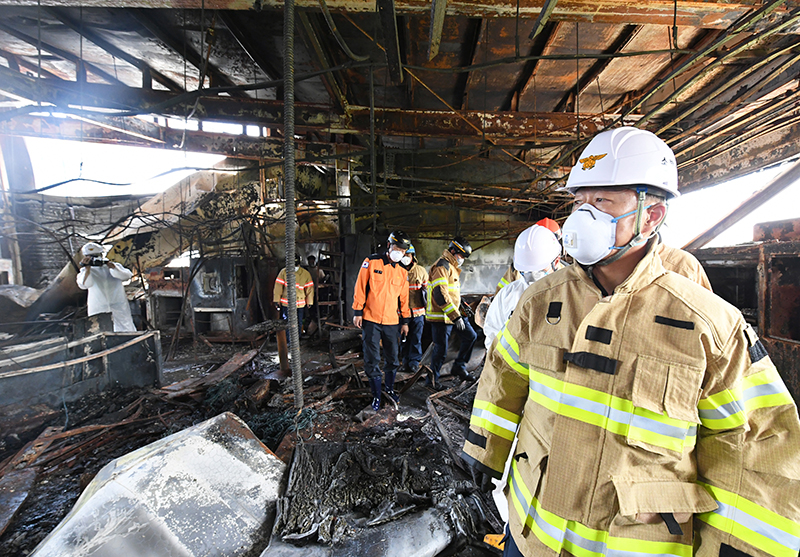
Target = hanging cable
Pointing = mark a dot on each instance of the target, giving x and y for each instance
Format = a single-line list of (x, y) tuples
[(338, 36)]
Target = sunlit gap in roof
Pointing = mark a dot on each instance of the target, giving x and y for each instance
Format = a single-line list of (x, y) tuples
[(101, 170)]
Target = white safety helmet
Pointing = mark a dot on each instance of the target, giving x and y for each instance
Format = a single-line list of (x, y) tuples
[(93, 249), (535, 249), (625, 157)]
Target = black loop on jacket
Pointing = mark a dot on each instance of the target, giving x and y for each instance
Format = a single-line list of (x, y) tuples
[(476, 439), (598, 334), (553, 313), (672, 524), (592, 361)]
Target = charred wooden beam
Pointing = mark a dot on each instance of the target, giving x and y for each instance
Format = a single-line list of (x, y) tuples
[(61, 53), (323, 61), (746, 157), (622, 41), (717, 14), (438, 8), (157, 29), (498, 126), (250, 44), (543, 18), (392, 40), (113, 50)]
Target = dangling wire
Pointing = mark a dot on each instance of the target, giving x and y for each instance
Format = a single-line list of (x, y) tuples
[(338, 36)]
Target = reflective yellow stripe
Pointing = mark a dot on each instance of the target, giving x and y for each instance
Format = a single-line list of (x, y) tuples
[(438, 281), (597, 408), (728, 409), (497, 420), (558, 533), (753, 524), (503, 282), (614, 414), (509, 349)]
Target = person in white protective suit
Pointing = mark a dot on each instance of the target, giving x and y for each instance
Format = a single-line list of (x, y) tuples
[(537, 253), (103, 279)]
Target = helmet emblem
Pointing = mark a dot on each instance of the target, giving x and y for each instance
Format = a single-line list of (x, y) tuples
[(588, 162)]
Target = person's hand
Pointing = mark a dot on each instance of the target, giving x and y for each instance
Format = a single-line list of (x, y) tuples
[(86, 261), (357, 320), (481, 479), (460, 323), (110, 265), (403, 330)]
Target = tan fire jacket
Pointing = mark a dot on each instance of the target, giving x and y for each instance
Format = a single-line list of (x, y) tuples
[(444, 290), (417, 289), (683, 263), (304, 284), (510, 276), (656, 399)]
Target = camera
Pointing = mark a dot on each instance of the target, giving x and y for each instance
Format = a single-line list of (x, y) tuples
[(98, 262)]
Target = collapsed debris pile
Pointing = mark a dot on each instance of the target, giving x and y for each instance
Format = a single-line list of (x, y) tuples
[(371, 468)]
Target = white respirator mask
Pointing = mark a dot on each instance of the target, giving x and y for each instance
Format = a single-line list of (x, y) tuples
[(296, 268), (406, 260), (590, 235), (395, 255)]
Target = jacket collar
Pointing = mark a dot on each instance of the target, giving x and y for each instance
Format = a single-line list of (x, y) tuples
[(645, 272), (386, 260), (450, 258)]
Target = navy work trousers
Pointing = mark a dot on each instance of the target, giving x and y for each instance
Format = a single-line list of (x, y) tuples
[(372, 334), (441, 333), (412, 347), (300, 313)]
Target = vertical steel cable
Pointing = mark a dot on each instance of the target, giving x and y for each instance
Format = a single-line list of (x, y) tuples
[(289, 176), (373, 163)]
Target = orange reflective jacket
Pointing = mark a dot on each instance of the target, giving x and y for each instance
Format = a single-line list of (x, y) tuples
[(381, 291)]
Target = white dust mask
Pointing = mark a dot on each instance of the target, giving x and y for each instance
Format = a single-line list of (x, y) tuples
[(395, 255), (590, 234), (406, 260)]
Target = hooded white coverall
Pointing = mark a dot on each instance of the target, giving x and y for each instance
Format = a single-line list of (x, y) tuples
[(106, 293)]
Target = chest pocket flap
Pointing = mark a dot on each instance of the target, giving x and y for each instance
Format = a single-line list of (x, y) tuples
[(666, 387), (543, 358)]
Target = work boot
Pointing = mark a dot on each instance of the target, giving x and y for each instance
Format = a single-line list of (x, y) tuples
[(375, 387), (463, 375), (389, 384)]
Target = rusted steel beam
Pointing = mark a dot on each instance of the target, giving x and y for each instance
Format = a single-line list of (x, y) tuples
[(717, 14), (527, 82), (113, 50), (391, 39), (780, 183), (33, 41)]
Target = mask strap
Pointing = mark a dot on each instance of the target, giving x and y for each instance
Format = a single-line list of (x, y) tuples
[(638, 238)]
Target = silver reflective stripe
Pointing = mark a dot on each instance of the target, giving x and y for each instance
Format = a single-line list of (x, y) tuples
[(494, 418), (721, 412), (750, 522)]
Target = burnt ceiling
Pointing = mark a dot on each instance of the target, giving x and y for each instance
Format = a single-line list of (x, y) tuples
[(484, 102)]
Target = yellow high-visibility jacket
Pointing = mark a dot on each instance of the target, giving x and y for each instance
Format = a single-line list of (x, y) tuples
[(444, 290), (417, 289), (510, 276), (656, 399), (303, 283)]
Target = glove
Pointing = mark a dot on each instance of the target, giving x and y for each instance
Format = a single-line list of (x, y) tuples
[(481, 479), (460, 323), (424, 292)]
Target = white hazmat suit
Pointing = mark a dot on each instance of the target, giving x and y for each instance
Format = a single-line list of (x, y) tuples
[(106, 293)]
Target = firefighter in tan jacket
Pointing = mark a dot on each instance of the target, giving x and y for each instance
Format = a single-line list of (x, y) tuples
[(411, 346), (444, 300), (650, 418)]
